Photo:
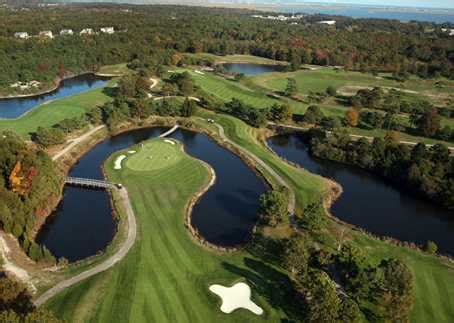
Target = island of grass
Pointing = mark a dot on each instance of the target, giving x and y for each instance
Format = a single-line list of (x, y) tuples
[(167, 274)]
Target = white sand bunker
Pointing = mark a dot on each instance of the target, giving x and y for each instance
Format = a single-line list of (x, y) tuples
[(237, 296), (199, 72), (118, 161), (169, 141), (131, 152)]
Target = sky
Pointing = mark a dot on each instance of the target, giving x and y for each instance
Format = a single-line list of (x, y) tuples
[(400, 3)]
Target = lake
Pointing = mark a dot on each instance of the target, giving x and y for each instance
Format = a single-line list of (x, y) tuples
[(15, 107), (225, 215), (370, 203)]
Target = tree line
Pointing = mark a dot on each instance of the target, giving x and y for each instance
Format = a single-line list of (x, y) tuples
[(147, 31)]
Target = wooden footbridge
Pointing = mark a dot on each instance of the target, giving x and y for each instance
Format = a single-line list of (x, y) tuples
[(93, 183)]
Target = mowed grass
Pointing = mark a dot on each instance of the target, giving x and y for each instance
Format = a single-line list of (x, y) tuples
[(166, 275), (237, 59), (51, 113), (155, 155)]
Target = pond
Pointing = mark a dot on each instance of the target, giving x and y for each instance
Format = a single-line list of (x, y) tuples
[(225, 215), (252, 69), (370, 203), (16, 107)]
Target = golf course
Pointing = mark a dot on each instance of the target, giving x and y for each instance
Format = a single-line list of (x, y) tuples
[(166, 275)]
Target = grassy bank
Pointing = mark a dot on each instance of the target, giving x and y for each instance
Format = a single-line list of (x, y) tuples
[(51, 113)]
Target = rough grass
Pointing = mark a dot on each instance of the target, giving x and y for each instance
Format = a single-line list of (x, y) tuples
[(166, 275), (51, 113)]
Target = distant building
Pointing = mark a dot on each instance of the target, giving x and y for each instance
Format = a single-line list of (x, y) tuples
[(21, 35), (46, 34), (86, 31), (108, 30), (327, 22), (66, 32), (449, 31)]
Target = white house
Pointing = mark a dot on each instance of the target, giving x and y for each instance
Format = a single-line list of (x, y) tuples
[(86, 31), (65, 32), (21, 35), (327, 22), (46, 33), (108, 30), (450, 31)]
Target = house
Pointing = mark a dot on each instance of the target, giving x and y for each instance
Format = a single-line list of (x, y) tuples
[(21, 35), (65, 32), (46, 34), (108, 30), (449, 31), (86, 31), (327, 22)]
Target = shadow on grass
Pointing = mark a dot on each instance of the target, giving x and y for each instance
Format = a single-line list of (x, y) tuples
[(272, 285)]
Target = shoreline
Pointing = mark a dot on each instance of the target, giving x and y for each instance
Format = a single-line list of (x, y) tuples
[(54, 88)]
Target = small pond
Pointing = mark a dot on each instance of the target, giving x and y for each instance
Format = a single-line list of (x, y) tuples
[(15, 107), (252, 69), (225, 215), (370, 203)]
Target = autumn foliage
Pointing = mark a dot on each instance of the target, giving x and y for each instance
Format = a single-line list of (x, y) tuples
[(20, 180), (352, 117)]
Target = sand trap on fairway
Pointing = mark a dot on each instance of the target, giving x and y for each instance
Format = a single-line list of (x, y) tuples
[(118, 161), (131, 152), (169, 141), (237, 296), (199, 72)]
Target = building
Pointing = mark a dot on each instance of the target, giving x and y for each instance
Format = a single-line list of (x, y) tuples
[(86, 31), (327, 22), (21, 35), (46, 34), (449, 31), (65, 32), (108, 30)]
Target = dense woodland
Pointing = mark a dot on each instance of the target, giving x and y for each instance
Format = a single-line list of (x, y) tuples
[(161, 32), (29, 182)]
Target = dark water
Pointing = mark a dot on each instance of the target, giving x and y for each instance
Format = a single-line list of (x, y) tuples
[(370, 203), (225, 215), (13, 108), (252, 69)]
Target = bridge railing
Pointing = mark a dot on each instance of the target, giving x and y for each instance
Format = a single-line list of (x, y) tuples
[(90, 182)]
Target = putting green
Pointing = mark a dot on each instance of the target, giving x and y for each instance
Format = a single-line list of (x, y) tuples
[(155, 155)]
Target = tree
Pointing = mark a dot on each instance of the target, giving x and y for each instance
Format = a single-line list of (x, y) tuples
[(49, 136), (188, 108), (312, 217), (291, 88), (281, 112), (352, 117), (296, 255), (428, 123), (331, 91), (273, 206), (313, 115), (324, 305), (431, 247)]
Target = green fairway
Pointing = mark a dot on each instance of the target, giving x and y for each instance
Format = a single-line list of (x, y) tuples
[(50, 113), (166, 275), (118, 69), (155, 155)]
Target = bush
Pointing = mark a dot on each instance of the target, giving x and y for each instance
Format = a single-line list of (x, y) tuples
[(431, 247), (46, 137)]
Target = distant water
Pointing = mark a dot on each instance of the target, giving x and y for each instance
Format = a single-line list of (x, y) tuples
[(402, 14)]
